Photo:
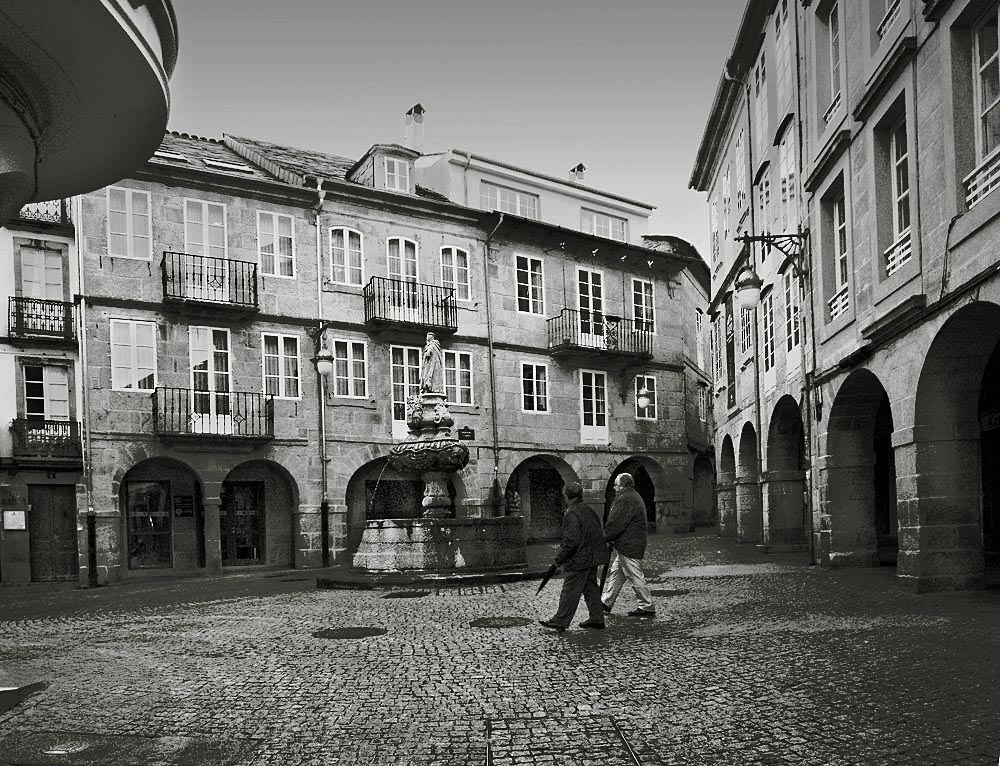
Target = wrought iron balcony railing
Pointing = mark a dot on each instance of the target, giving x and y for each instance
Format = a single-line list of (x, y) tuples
[(33, 317), (574, 330), (53, 211), (232, 414), (982, 180), (204, 279), (46, 438), (395, 301)]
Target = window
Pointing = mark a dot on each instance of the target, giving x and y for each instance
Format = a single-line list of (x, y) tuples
[(534, 388), (741, 173), (530, 286), (129, 224), (645, 385), (642, 305), (900, 250), (133, 355), (507, 200), (746, 330), (699, 324), (280, 354), (345, 256), (786, 170), (987, 90), (42, 274), (884, 14), (204, 228), (593, 407), (46, 392), (768, 330), (713, 227), (727, 205), (791, 311), (782, 53), (211, 380), (839, 302), (350, 369), (397, 175), (703, 403), (764, 200), (833, 36), (760, 105), (402, 254), (717, 348), (458, 377), (276, 244), (455, 272), (405, 363), (603, 225)]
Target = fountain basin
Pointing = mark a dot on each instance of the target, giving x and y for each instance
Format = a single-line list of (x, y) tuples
[(441, 545)]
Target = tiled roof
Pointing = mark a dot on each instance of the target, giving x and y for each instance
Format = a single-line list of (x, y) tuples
[(301, 162), (206, 154)]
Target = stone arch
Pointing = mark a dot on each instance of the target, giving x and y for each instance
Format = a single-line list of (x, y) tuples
[(953, 521), (726, 488), (651, 483), (703, 508), (858, 515), (749, 525), (162, 515), (784, 482), (257, 515), (534, 491)]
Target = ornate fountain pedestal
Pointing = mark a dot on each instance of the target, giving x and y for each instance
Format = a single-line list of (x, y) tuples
[(436, 542)]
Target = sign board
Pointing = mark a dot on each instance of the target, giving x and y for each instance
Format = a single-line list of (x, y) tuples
[(466, 434), (14, 520), (183, 505)]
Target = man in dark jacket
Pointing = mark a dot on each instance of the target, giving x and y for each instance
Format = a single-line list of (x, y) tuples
[(625, 531), (582, 551)]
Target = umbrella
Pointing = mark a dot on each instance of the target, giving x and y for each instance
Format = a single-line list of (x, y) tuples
[(604, 574), (548, 576)]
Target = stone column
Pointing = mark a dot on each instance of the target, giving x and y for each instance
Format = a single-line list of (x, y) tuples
[(213, 535), (748, 510), (725, 493), (784, 508), (308, 534), (847, 522)]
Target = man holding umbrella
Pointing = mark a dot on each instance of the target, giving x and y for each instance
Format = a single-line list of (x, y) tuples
[(582, 551)]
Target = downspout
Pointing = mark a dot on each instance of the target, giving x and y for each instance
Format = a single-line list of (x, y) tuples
[(84, 400), (324, 506), (465, 178), (492, 361)]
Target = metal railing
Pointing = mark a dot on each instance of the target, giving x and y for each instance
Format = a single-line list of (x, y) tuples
[(590, 329), (891, 13), (396, 300), (52, 211), (46, 438), (241, 414), (42, 318), (898, 254), (207, 279), (832, 110), (981, 181), (838, 303)]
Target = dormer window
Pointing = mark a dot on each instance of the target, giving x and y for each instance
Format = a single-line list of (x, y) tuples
[(397, 175)]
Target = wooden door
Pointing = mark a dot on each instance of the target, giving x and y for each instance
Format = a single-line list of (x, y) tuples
[(52, 532)]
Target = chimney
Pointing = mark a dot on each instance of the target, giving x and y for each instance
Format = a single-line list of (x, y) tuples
[(576, 174), (413, 129)]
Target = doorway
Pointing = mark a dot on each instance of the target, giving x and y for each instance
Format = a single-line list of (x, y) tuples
[(52, 532), (242, 524)]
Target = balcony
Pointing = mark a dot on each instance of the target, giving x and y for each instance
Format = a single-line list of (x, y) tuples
[(53, 215), (838, 304), (41, 321), (983, 180), (46, 443), (398, 304), (204, 283), (591, 336), (234, 416), (898, 254)]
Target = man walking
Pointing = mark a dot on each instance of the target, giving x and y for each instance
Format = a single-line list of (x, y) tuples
[(582, 551), (625, 531)]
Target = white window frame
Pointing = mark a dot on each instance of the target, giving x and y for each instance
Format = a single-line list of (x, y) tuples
[(350, 360), (591, 221), (282, 378), (841, 264), (205, 204), (212, 421), (507, 199), (782, 52), (463, 290), (649, 383), (529, 374), (133, 353), (277, 257), (528, 271), (452, 365), (833, 40), (130, 233), (982, 109), (396, 174), (764, 199), (347, 231), (644, 323), (403, 261), (595, 433), (899, 196), (741, 171), (760, 103), (411, 385), (786, 173), (50, 387), (792, 329), (767, 334), (746, 330)]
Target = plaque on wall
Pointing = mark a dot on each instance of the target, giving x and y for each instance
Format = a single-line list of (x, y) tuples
[(183, 505), (466, 434), (14, 520)]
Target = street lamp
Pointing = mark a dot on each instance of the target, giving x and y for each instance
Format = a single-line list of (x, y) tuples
[(324, 366), (748, 286), (792, 246), (642, 401)]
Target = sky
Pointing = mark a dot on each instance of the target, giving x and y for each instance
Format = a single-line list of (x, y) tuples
[(623, 87)]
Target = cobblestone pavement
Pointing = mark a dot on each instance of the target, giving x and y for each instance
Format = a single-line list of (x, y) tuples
[(750, 660)]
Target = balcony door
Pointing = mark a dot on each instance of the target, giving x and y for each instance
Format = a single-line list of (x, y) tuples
[(405, 363), (42, 280), (590, 301), (403, 290), (593, 408), (211, 381), (46, 406), (242, 523), (204, 267)]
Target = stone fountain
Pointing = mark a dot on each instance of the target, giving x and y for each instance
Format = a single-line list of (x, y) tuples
[(436, 541)]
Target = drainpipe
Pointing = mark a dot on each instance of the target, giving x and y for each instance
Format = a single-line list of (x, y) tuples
[(324, 506), (84, 394), (465, 178), (492, 364)]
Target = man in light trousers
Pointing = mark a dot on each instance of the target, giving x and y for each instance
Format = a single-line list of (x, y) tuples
[(625, 531)]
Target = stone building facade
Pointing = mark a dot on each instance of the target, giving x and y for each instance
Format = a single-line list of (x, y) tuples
[(214, 278), (894, 172)]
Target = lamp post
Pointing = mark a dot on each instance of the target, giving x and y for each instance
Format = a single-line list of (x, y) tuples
[(324, 367)]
